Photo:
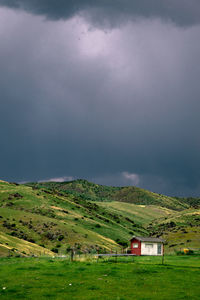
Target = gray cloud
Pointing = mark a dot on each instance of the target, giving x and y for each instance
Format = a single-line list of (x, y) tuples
[(93, 104), (182, 12), (58, 179)]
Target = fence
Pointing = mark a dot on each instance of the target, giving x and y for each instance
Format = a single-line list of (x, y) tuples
[(105, 256)]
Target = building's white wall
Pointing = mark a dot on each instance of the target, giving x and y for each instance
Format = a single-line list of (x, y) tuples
[(146, 250)]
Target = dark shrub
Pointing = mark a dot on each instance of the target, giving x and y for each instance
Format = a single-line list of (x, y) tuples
[(122, 243), (17, 195), (31, 240), (61, 237), (190, 252), (98, 226), (55, 250), (68, 249)]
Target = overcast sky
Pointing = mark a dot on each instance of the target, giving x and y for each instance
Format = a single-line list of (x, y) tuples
[(103, 90)]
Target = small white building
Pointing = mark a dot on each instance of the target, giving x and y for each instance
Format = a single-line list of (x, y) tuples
[(147, 246)]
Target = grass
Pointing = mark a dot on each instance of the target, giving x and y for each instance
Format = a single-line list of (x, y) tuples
[(143, 214), (145, 278), (12, 245)]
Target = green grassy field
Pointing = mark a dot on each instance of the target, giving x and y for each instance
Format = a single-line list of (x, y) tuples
[(145, 278)]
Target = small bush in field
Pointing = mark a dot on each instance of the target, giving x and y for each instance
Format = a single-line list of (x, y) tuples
[(61, 237), (55, 250), (98, 226), (190, 252)]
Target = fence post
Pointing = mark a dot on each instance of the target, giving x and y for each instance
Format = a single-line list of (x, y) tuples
[(163, 254), (72, 255), (163, 259), (116, 256)]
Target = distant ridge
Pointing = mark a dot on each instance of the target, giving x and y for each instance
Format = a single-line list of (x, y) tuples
[(102, 193)]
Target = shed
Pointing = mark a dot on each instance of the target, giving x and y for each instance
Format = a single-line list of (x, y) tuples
[(147, 246)]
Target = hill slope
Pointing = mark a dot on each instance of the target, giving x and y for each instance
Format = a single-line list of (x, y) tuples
[(49, 218), (95, 192), (180, 229), (58, 221)]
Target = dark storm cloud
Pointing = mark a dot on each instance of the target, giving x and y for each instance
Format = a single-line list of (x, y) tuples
[(118, 107), (111, 12)]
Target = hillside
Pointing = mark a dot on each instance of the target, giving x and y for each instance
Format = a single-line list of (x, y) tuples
[(94, 192), (180, 229), (58, 222), (51, 218)]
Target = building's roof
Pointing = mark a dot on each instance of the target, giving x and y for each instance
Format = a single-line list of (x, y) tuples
[(148, 239)]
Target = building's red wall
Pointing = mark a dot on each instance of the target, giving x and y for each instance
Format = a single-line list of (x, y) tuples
[(136, 251)]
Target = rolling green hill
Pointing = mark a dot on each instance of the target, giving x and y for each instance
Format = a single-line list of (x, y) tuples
[(180, 229), (94, 192), (58, 221), (51, 218)]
